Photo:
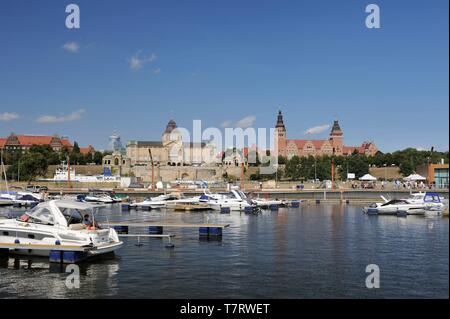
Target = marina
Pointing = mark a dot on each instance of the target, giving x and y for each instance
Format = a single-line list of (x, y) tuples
[(234, 157), (313, 251)]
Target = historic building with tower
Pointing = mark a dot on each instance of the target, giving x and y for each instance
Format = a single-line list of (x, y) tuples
[(334, 145), (169, 151)]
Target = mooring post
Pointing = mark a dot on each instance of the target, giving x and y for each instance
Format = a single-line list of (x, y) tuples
[(56, 256), (72, 257), (203, 231), (295, 203), (215, 231)]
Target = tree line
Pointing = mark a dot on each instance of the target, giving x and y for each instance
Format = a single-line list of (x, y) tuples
[(310, 168), (33, 163)]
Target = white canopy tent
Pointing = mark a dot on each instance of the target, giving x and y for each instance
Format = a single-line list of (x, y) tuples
[(367, 177), (414, 177)]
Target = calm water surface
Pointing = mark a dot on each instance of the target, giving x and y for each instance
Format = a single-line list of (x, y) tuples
[(316, 251)]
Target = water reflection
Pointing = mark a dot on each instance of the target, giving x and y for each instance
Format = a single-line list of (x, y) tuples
[(36, 277), (315, 251)]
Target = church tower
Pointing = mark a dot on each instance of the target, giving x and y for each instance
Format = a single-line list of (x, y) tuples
[(280, 136), (171, 134), (337, 138)]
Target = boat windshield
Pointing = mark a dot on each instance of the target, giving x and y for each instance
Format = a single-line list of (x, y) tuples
[(395, 202), (40, 215), (74, 212), (73, 215)]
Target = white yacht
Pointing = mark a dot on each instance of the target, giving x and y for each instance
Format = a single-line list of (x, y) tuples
[(416, 204), (19, 198), (62, 174), (235, 200), (165, 200), (97, 198), (6, 201), (58, 222), (268, 202)]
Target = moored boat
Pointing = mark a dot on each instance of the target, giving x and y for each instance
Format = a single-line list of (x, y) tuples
[(58, 223)]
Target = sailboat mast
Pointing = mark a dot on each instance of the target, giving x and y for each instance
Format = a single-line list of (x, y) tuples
[(4, 171)]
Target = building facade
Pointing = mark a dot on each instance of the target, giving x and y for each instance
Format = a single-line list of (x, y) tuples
[(170, 151), (436, 174), (24, 142), (334, 145)]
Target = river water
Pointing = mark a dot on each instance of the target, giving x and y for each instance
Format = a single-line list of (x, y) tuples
[(315, 251)]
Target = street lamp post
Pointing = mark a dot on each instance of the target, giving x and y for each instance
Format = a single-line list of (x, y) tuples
[(315, 169)]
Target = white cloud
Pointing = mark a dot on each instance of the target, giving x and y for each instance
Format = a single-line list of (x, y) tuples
[(6, 117), (245, 122), (226, 123), (137, 61), (157, 71), (71, 47), (75, 116), (317, 129)]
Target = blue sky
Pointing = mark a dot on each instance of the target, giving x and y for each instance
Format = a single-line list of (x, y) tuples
[(134, 64)]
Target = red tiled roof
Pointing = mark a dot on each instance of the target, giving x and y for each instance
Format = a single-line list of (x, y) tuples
[(318, 143), (2, 142), (66, 142), (29, 140), (301, 143), (298, 143), (86, 150), (352, 149)]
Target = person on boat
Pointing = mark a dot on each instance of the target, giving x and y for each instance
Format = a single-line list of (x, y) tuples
[(89, 224), (87, 220)]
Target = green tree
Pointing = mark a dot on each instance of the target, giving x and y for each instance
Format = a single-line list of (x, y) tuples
[(292, 168), (406, 168), (281, 160), (76, 148), (30, 166)]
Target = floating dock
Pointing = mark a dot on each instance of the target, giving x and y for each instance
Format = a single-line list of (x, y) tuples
[(205, 230)]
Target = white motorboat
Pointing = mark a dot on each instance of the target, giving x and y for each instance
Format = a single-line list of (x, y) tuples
[(235, 200), (58, 222), (165, 200), (265, 203), (63, 173), (97, 198), (20, 198), (5, 201), (417, 204)]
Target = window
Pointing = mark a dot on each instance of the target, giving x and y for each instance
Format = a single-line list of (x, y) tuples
[(41, 215), (73, 216)]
